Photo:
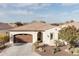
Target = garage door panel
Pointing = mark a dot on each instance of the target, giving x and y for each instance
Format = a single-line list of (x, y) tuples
[(23, 38)]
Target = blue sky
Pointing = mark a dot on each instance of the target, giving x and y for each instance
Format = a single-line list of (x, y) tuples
[(49, 12)]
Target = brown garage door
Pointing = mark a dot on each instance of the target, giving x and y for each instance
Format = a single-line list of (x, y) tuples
[(20, 38)]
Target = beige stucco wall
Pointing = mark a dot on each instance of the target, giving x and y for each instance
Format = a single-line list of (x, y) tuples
[(46, 36)]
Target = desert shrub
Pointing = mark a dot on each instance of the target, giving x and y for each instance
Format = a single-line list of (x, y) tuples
[(69, 34), (76, 50), (4, 38), (35, 46), (39, 46), (2, 46), (59, 43)]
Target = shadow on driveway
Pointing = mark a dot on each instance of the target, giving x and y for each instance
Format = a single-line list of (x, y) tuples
[(19, 44)]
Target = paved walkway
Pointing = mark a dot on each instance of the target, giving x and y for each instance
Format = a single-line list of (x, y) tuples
[(19, 50)]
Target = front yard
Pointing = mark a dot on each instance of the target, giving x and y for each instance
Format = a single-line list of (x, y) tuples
[(49, 51), (59, 50)]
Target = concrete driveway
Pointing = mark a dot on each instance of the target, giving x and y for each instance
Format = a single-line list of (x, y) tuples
[(19, 50)]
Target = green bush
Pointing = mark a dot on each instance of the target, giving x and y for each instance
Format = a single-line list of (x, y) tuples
[(69, 34)]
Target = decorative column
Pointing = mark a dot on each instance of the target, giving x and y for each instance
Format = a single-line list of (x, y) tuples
[(11, 39), (34, 40), (34, 37)]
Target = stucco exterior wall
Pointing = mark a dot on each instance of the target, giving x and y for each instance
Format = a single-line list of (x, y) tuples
[(34, 35), (46, 36)]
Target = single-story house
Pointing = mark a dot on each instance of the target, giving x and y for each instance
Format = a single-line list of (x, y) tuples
[(34, 32)]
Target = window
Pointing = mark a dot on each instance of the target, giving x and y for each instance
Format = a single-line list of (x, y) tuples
[(51, 36)]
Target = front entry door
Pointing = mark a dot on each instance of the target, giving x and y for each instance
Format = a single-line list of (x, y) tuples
[(39, 37)]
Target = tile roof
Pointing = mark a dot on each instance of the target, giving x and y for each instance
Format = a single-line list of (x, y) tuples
[(35, 27)]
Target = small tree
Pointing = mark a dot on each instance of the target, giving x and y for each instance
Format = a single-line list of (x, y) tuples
[(38, 21), (69, 34), (71, 21), (18, 23)]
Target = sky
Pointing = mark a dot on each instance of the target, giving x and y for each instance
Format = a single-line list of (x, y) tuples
[(49, 12)]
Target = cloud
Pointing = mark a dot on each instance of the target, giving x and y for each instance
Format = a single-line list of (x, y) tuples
[(2, 14), (22, 9), (25, 5), (68, 4), (75, 11), (33, 11), (32, 5), (21, 12)]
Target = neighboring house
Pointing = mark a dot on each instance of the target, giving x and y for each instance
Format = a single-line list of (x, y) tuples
[(34, 32), (5, 26)]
